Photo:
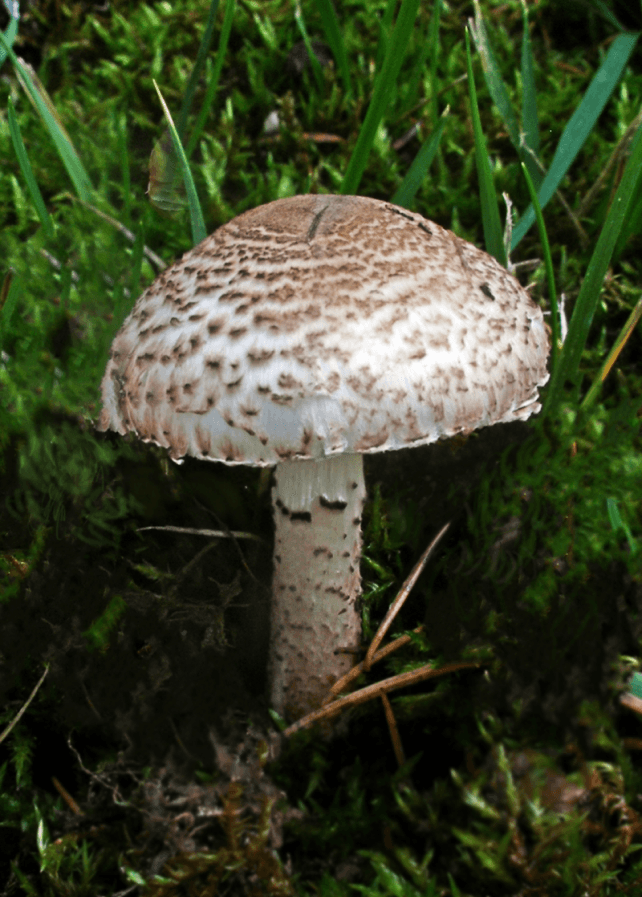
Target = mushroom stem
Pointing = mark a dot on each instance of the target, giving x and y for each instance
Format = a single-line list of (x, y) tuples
[(316, 626)]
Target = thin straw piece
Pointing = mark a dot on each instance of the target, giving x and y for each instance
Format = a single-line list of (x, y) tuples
[(399, 601), (375, 691), (22, 710), (341, 684), (394, 731), (210, 533)]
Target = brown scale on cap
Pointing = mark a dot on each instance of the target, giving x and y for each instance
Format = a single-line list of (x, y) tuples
[(312, 327)]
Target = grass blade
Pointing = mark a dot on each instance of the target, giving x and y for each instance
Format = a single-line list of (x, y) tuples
[(530, 119), (199, 66), (618, 524), (13, 9), (334, 37), (488, 197), (580, 125), (630, 325), (433, 42), (548, 264), (385, 29), (567, 370), (43, 104), (428, 49), (216, 74), (609, 15), (312, 56), (496, 86), (384, 85), (526, 140), (419, 167), (27, 172), (195, 212), (633, 225)]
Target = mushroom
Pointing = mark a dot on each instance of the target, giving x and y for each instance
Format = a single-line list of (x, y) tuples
[(301, 335)]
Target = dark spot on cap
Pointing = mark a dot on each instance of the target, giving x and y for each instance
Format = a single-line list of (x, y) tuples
[(332, 505), (260, 356), (316, 221)]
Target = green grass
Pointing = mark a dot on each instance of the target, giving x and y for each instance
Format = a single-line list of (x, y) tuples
[(540, 573)]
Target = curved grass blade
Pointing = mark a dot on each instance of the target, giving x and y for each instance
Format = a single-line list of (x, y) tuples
[(580, 125), (46, 109), (27, 172), (567, 370), (419, 167), (13, 8), (195, 212), (384, 86), (487, 195), (333, 35)]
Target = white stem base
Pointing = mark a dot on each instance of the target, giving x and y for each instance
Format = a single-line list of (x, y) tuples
[(317, 507)]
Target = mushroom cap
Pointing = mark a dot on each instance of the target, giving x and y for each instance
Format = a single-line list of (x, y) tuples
[(323, 324)]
